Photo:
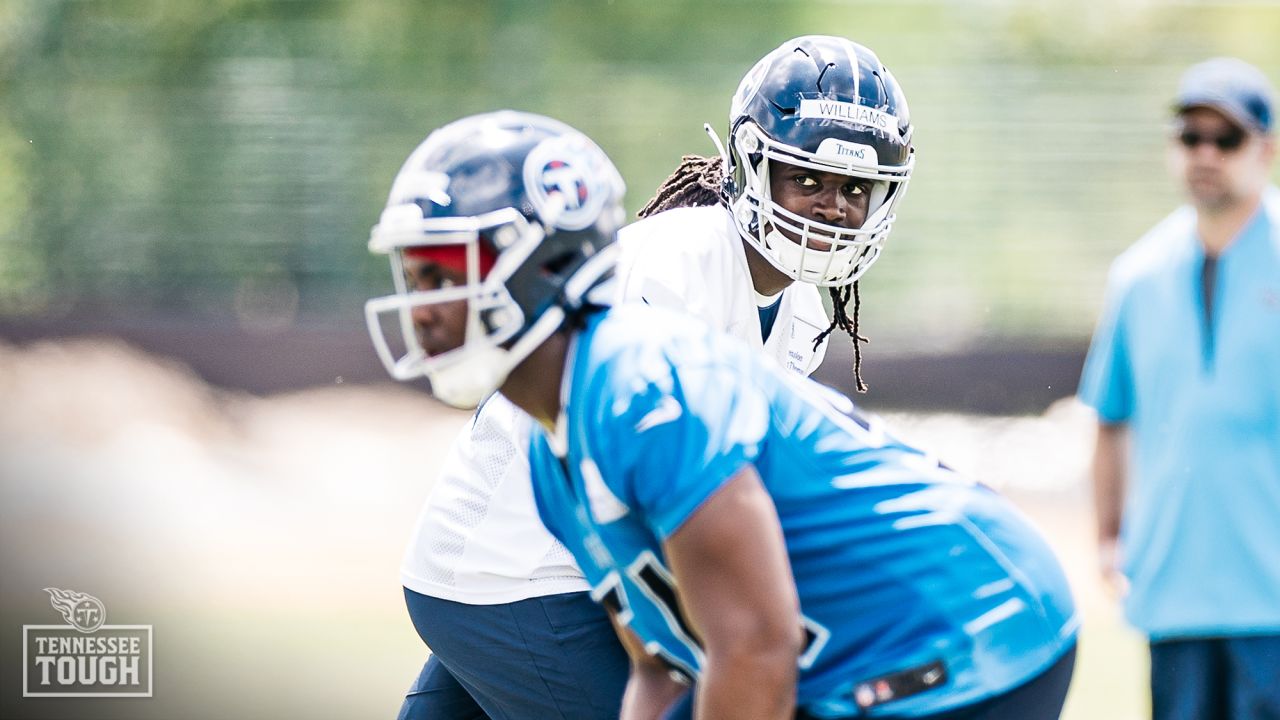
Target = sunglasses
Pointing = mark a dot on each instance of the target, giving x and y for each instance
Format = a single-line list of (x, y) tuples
[(1225, 142)]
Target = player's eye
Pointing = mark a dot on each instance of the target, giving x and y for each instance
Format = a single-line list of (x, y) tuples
[(805, 180), (855, 188), (427, 277)]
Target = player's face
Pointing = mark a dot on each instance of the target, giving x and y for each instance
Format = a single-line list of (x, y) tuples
[(826, 197), (440, 327), (1218, 162)]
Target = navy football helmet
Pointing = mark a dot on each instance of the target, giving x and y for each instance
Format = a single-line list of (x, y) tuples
[(827, 104), (531, 208)]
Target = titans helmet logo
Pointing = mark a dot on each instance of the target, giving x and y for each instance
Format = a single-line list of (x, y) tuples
[(563, 183)]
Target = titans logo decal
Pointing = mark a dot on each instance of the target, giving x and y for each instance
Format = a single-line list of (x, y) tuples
[(558, 176)]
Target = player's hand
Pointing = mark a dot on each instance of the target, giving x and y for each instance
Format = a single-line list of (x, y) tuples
[(1109, 563)]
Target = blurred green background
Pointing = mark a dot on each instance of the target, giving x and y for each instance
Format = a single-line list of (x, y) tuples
[(223, 160), (211, 169)]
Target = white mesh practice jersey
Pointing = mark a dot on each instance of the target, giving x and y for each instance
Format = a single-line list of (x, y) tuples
[(478, 539), (693, 259)]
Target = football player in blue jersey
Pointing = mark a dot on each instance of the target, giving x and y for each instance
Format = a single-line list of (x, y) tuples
[(804, 198), (751, 532)]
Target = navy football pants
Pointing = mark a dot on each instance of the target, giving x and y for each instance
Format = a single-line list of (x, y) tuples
[(1235, 678), (543, 659)]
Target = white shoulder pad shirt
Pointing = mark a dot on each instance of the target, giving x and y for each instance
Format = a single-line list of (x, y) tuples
[(478, 539)]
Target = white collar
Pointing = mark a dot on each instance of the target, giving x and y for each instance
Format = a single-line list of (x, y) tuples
[(764, 301)]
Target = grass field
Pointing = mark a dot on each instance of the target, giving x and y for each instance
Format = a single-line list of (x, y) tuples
[(261, 536)]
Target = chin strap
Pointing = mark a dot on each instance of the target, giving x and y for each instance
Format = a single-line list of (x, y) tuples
[(464, 383), (726, 189), (715, 140)]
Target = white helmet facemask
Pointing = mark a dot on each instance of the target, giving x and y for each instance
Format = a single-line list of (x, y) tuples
[(522, 211), (802, 248), (464, 376)]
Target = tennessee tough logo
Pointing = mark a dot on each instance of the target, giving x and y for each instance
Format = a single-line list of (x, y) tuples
[(85, 657)]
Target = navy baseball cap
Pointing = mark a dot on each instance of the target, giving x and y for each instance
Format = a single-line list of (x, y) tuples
[(1234, 88)]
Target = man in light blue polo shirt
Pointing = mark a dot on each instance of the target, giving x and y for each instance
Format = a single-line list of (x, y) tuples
[(1184, 372)]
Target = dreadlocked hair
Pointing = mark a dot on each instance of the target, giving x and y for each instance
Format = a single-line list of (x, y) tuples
[(840, 319), (697, 182)]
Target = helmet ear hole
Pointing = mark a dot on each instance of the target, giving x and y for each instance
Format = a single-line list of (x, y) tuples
[(558, 264)]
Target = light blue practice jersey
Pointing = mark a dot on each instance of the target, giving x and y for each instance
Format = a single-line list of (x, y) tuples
[(1201, 531), (913, 581)]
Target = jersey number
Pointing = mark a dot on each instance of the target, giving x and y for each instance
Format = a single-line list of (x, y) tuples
[(655, 581)]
